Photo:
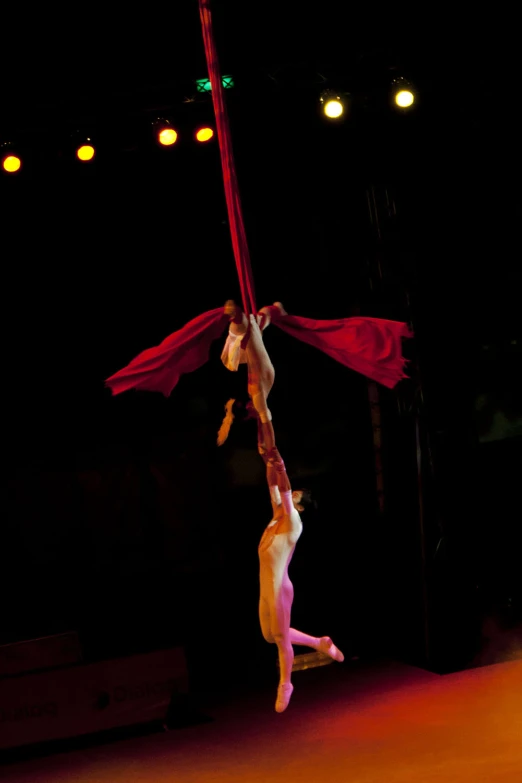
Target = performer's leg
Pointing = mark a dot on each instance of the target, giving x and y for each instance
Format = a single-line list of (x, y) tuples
[(264, 621), (322, 644), (280, 627), (233, 354), (286, 659), (260, 370)]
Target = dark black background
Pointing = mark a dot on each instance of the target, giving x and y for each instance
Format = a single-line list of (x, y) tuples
[(121, 518)]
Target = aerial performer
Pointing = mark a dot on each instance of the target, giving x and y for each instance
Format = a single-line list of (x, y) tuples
[(369, 346), (278, 542)]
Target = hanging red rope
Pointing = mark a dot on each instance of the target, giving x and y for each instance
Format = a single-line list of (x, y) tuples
[(235, 216)]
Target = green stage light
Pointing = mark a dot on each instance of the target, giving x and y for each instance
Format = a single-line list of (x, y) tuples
[(204, 85)]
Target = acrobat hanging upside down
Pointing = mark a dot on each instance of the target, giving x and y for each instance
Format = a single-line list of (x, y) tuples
[(369, 345), (278, 542)]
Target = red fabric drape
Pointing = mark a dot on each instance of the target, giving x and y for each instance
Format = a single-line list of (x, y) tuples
[(235, 216), (159, 368), (370, 346)]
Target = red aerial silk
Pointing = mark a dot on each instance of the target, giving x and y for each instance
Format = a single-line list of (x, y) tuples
[(370, 346), (159, 368), (235, 215)]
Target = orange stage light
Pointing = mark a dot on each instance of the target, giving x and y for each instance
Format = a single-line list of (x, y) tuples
[(11, 164), (86, 152), (204, 134), (167, 137)]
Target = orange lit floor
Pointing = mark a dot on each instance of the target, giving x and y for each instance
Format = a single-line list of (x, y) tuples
[(345, 723)]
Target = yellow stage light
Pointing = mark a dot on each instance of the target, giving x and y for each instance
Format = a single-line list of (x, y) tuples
[(86, 152), (404, 98), (403, 93), (167, 137), (164, 133), (204, 134), (11, 164), (333, 108), (334, 104)]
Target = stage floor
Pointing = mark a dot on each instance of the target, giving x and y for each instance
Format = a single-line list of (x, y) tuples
[(385, 723)]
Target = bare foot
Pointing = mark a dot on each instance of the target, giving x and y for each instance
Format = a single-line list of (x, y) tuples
[(328, 647), (238, 319), (265, 315), (284, 693)]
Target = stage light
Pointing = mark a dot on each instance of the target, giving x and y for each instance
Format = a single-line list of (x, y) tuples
[(165, 134), (333, 104), (333, 109), (204, 134), (11, 164), (10, 157), (82, 145), (204, 85), (85, 152), (403, 94), (404, 98)]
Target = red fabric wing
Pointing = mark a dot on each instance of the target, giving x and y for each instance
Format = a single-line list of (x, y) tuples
[(370, 346), (159, 368)]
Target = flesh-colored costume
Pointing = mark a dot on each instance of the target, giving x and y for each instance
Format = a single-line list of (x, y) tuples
[(279, 539)]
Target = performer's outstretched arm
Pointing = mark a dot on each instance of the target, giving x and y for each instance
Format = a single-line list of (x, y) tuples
[(271, 474)]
